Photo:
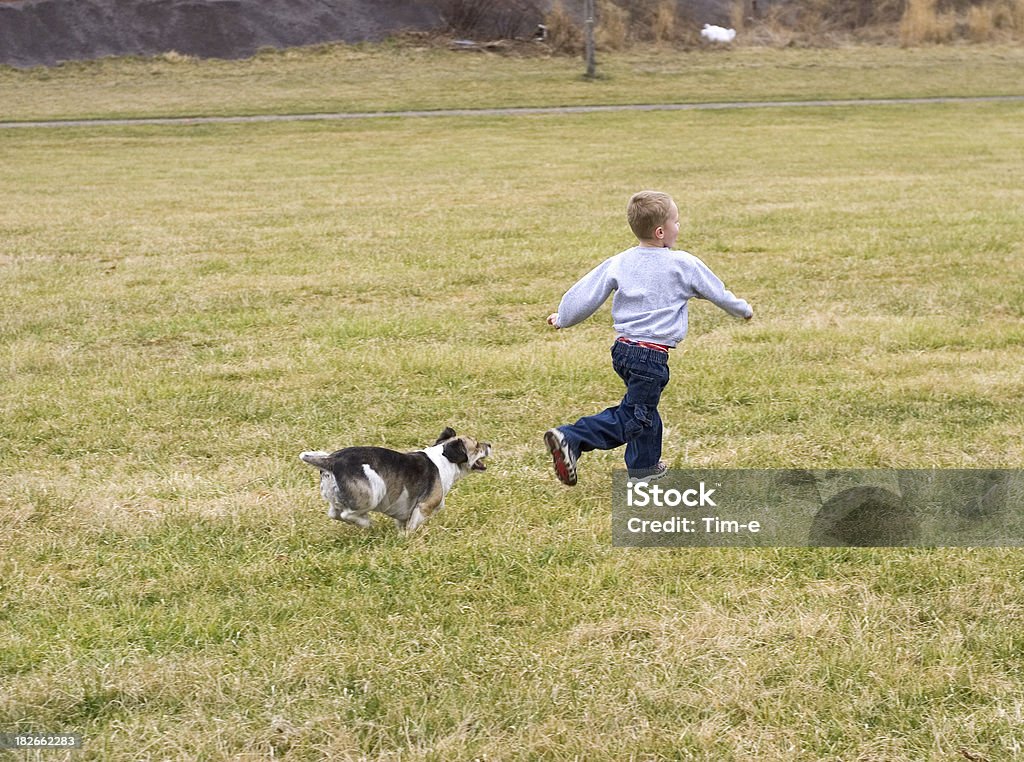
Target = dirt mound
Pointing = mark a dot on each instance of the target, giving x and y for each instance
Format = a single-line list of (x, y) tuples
[(46, 32)]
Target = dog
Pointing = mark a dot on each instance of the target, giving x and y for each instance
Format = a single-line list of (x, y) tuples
[(409, 487)]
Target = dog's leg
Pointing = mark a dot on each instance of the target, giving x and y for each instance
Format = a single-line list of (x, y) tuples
[(422, 511), (428, 504), (415, 519), (330, 492), (359, 519)]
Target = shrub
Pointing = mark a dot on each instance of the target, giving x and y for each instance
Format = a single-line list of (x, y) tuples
[(1010, 16), (980, 23), (663, 27), (612, 26), (490, 18), (564, 35), (921, 23)]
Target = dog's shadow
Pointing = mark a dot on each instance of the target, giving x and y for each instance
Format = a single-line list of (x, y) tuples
[(382, 533)]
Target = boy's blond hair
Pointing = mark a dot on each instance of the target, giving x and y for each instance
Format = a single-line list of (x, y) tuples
[(646, 211)]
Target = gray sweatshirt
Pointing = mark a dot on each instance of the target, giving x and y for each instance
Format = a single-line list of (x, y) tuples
[(652, 287)]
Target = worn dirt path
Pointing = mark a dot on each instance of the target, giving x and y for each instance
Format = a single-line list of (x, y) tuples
[(518, 111)]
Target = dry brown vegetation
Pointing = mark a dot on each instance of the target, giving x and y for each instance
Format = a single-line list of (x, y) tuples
[(808, 23)]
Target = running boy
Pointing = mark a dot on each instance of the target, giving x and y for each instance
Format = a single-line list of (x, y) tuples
[(652, 285)]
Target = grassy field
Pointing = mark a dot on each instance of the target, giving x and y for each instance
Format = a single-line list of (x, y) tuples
[(185, 309), (404, 76)]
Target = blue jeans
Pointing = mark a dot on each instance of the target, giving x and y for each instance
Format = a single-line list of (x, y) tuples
[(634, 422)]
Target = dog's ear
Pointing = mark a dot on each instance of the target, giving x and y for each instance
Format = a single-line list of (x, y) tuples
[(455, 451), (448, 433)]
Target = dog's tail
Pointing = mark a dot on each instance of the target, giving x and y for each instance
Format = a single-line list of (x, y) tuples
[(317, 459)]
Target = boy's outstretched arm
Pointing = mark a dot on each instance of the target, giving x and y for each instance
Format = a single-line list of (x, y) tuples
[(586, 295), (710, 287)]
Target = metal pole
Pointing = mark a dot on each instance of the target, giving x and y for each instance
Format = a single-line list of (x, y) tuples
[(588, 36)]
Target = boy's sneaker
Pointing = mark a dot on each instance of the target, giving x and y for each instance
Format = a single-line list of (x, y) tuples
[(565, 462), (651, 474)]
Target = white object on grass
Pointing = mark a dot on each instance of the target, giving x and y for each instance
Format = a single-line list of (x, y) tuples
[(713, 33)]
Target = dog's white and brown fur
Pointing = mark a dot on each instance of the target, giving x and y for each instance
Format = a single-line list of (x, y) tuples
[(408, 487)]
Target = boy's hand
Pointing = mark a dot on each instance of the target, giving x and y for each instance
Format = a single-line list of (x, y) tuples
[(553, 319)]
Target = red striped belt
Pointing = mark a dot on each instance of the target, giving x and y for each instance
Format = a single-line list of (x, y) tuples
[(645, 344)]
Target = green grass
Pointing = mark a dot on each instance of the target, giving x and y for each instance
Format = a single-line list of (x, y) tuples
[(184, 309), (341, 78)]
